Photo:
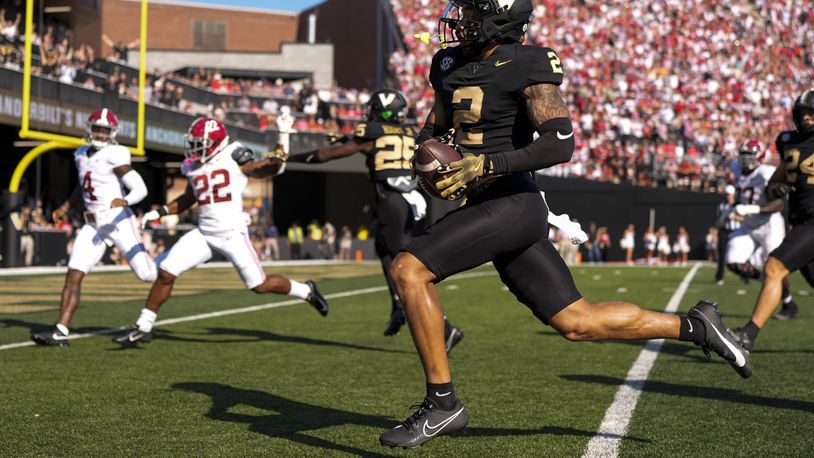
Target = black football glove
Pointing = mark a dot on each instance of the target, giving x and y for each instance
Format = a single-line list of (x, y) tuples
[(242, 155)]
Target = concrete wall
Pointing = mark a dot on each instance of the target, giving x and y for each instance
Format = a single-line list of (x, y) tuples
[(316, 59)]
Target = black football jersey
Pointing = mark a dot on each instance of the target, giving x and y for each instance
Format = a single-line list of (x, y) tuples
[(392, 150), (483, 100), (797, 151)]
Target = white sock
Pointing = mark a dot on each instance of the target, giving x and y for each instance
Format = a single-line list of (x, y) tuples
[(300, 290), (146, 320), (787, 299), (63, 329)]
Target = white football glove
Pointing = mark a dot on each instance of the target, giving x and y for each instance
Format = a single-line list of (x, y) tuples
[(746, 210), (572, 230), (153, 215)]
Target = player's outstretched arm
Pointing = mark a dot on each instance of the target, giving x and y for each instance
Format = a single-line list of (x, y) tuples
[(346, 149), (180, 204), (133, 182)]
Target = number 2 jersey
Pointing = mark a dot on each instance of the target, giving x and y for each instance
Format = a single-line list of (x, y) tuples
[(797, 151), (218, 185), (97, 178), (483, 100)]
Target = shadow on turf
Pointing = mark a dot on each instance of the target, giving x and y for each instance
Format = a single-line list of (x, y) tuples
[(291, 420), (704, 392), (256, 335), (38, 327)]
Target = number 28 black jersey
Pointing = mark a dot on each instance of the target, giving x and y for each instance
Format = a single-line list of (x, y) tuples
[(483, 100), (392, 150), (797, 151)]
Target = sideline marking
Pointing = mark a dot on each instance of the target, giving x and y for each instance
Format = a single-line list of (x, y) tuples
[(617, 418), (251, 308)]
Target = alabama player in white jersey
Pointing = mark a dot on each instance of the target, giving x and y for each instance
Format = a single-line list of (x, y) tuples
[(763, 228), (104, 169), (218, 172)]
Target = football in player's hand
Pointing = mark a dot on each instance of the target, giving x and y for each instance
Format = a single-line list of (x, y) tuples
[(428, 157)]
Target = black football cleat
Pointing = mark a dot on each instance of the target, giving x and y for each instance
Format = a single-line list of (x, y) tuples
[(740, 336), (455, 336), (132, 336), (719, 338), (394, 324), (52, 338), (316, 299), (788, 312), (426, 423)]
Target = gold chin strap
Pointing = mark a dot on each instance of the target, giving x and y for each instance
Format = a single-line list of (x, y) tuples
[(426, 37)]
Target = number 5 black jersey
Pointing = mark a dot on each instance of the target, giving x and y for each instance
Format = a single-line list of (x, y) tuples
[(797, 151), (392, 150), (483, 100)]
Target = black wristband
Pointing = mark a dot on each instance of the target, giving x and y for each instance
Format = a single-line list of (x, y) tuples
[(163, 210), (310, 157)]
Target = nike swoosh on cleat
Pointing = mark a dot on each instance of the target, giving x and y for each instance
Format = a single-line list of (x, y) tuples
[(442, 395), (740, 361), (134, 337), (564, 137), (437, 428), (56, 336), (690, 323)]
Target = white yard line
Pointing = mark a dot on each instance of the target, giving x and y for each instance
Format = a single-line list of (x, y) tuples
[(606, 442), (252, 308)]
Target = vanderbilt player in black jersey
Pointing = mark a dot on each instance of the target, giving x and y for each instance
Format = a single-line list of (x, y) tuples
[(496, 92), (794, 178), (388, 145)]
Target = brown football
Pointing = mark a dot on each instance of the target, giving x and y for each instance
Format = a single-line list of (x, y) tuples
[(428, 157)]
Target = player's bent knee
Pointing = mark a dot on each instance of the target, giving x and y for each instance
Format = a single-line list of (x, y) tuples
[(165, 277), (775, 270), (573, 322), (146, 273), (406, 269)]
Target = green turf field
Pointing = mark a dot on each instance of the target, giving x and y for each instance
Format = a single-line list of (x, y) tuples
[(287, 382)]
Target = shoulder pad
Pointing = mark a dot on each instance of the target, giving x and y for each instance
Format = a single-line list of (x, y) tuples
[(242, 154), (542, 65), (368, 131)]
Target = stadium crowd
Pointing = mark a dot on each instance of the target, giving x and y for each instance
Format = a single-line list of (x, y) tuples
[(661, 92)]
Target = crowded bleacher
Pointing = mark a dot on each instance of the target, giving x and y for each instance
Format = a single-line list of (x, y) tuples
[(661, 92)]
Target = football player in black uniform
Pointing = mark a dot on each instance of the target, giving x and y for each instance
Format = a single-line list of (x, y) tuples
[(388, 145), (496, 93), (793, 178)]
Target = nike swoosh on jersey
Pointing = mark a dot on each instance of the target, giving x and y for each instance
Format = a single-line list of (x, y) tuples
[(564, 137), (502, 63), (433, 430)]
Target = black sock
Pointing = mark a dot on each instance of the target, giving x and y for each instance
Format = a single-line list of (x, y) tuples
[(442, 395), (692, 330), (751, 330), (447, 328)]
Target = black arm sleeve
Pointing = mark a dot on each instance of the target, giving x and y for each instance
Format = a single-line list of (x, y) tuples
[(310, 157), (427, 133), (554, 146)]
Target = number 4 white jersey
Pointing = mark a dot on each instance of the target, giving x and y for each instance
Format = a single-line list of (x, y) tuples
[(98, 181), (218, 184), (752, 191)]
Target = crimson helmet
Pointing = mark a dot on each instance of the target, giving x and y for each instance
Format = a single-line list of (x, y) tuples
[(751, 155), (387, 105), (484, 21), (206, 137), (803, 103), (101, 128)]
